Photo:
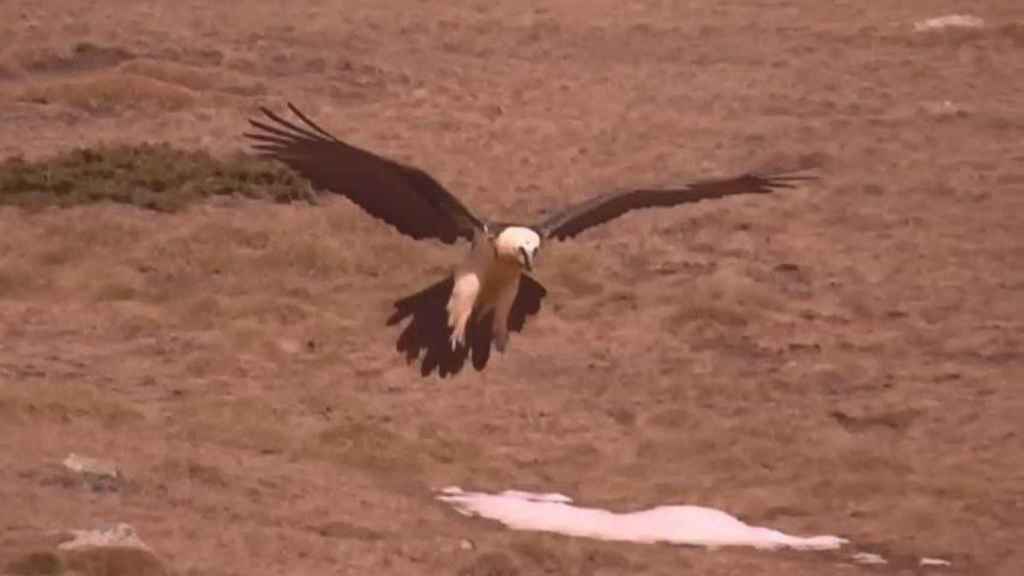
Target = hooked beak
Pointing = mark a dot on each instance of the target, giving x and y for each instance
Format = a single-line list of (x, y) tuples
[(527, 259)]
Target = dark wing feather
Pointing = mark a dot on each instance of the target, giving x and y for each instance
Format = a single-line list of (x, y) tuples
[(404, 196), (601, 209)]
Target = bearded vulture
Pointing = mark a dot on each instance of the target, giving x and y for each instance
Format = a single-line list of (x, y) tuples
[(412, 201)]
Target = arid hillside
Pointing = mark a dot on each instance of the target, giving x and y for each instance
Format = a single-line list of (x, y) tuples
[(841, 358)]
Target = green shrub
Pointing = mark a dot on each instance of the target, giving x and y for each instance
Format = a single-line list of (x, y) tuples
[(154, 176)]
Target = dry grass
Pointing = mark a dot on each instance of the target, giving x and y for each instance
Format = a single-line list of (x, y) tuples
[(111, 93), (189, 77), (80, 57), (43, 398), (839, 358)]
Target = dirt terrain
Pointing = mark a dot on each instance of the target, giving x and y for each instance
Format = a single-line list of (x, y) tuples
[(843, 358)]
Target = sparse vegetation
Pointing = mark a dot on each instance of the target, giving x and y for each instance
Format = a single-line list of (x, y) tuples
[(83, 57), (153, 176), (110, 93), (841, 358)]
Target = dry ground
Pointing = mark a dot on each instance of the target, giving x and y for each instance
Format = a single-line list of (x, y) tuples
[(844, 358)]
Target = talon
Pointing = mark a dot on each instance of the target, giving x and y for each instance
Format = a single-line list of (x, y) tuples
[(457, 340)]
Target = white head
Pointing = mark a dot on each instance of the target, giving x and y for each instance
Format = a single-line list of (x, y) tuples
[(519, 244)]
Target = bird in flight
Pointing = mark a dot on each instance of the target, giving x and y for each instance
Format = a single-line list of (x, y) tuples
[(502, 253)]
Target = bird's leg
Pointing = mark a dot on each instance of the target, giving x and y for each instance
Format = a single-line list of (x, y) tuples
[(459, 331), (460, 306), (502, 308)]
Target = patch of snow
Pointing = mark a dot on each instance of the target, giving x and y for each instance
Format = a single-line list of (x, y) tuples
[(693, 525), (950, 21), (934, 562), (869, 559)]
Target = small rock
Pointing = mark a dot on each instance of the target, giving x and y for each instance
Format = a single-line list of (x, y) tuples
[(99, 475), (120, 535), (943, 109), (116, 551), (934, 562), (466, 545), (86, 465)]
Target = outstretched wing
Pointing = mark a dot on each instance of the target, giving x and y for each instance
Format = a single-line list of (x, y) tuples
[(404, 196), (596, 211)]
